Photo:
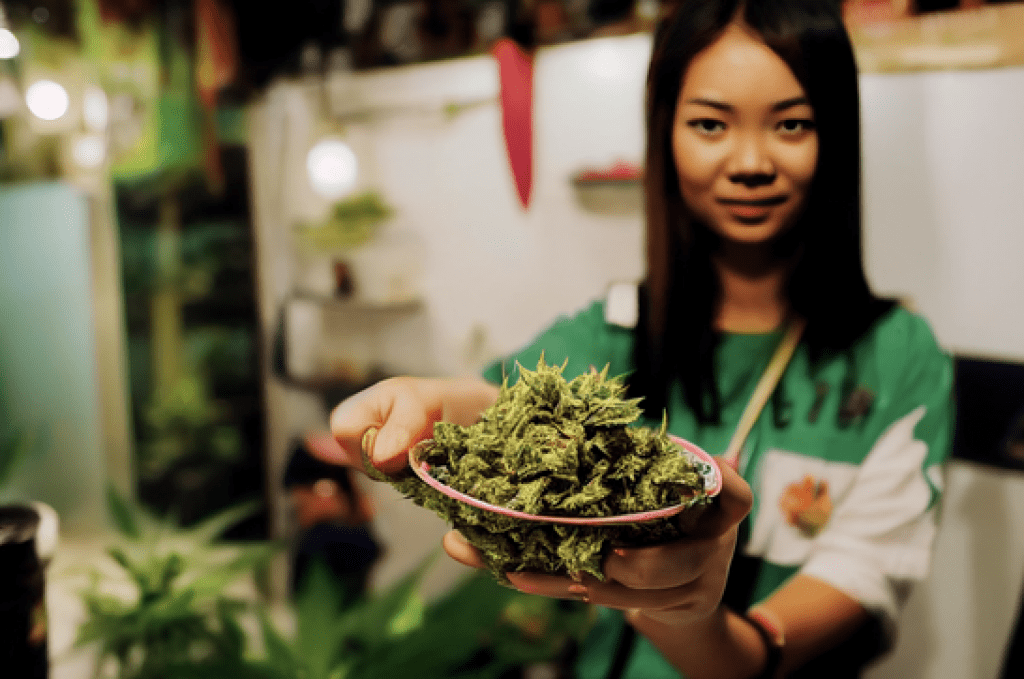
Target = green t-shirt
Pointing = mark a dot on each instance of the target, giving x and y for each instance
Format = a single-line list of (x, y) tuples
[(845, 463)]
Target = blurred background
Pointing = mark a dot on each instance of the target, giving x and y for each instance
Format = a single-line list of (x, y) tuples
[(218, 218)]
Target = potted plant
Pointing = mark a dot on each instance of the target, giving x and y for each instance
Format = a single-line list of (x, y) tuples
[(178, 618), (172, 604)]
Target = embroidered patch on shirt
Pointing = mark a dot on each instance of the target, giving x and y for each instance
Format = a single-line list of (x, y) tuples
[(806, 505)]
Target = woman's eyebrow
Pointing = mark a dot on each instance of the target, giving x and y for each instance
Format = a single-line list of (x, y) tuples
[(729, 108), (790, 103), (720, 105)]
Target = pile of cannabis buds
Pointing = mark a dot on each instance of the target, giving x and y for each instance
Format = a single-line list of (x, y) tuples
[(556, 448)]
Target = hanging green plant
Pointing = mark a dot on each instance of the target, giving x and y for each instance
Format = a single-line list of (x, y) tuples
[(351, 222)]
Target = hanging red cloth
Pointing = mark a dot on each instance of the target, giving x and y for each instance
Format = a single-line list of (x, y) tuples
[(515, 77), (216, 65)]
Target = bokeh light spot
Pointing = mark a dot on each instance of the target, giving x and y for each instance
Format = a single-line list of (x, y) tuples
[(47, 100), (332, 168)]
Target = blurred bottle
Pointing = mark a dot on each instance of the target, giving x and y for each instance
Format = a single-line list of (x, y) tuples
[(23, 627)]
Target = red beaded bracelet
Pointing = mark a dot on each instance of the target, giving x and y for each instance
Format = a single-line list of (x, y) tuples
[(774, 639)]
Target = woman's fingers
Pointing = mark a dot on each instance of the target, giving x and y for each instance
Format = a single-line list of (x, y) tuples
[(396, 410), (681, 598), (460, 550), (349, 422), (552, 586), (736, 497), (688, 600), (409, 421), (727, 509), (683, 579), (664, 566), (684, 560)]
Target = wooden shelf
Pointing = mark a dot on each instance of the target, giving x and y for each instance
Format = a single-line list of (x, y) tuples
[(987, 37), (613, 190), (357, 305)]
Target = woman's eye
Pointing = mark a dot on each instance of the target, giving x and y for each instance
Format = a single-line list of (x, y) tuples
[(796, 125), (707, 125)]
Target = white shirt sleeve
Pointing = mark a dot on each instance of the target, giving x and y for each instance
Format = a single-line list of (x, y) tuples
[(880, 534)]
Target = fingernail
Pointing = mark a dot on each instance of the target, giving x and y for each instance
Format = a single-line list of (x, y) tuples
[(369, 437), (619, 552), (578, 589), (366, 446)]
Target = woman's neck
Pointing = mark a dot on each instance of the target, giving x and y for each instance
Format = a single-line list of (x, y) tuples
[(753, 289)]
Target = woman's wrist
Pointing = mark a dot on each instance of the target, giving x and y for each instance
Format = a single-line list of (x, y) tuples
[(737, 648), (769, 628)]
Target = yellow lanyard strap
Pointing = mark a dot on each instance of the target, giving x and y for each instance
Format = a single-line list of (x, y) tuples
[(763, 391)]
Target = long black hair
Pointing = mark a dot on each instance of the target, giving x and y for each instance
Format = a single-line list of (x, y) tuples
[(676, 338)]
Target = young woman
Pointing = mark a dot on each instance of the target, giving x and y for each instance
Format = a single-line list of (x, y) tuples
[(753, 231)]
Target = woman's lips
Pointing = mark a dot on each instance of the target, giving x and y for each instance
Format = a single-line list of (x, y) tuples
[(753, 211)]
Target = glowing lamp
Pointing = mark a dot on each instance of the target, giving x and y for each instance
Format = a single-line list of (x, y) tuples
[(332, 167)]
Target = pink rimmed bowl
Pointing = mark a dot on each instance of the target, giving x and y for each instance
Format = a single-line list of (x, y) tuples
[(705, 465)]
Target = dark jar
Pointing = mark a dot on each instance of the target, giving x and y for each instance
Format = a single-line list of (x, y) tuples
[(23, 629)]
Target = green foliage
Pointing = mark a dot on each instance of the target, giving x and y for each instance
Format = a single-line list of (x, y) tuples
[(556, 448), (207, 250), (174, 616), (226, 355), (177, 621), (352, 222), (478, 630), (182, 420)]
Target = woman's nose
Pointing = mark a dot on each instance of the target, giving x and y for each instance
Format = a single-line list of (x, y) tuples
[(750, 163)]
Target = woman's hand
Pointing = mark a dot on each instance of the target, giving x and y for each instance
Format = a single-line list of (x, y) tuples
[(402, 411), (676, 583)]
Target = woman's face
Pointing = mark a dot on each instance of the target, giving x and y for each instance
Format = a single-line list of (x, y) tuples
[(743, 139)]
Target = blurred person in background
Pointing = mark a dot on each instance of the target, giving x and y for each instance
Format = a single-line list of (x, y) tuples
[(753, 219), (333, 515)]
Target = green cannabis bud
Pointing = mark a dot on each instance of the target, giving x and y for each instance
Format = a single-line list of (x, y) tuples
[(557, 449)]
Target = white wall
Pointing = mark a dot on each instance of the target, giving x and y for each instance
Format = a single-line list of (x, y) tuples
[(944, 195), (944, 201), (956, 623)]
